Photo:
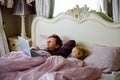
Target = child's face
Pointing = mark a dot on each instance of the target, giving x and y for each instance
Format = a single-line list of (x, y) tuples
[(74, 53)]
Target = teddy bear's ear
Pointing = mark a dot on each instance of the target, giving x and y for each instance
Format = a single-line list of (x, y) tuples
[(67, 47), (69, 43)]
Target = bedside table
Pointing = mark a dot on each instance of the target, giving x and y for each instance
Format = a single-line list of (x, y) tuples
[(14, 44)]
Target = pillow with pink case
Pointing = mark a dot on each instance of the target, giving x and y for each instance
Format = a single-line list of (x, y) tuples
[(42, 41), (104, 57)]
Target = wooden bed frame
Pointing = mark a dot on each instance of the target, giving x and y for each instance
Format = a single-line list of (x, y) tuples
[(86, 27)]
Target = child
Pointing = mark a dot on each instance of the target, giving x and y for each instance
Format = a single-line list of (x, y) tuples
[(78, 54)]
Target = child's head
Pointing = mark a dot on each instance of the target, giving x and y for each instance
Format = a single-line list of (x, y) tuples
[(79, 53)]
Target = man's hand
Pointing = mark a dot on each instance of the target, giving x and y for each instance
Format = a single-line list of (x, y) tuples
[(35, 48)]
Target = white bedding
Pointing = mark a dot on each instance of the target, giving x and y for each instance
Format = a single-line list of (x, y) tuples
[(87, 28), (112, 76)]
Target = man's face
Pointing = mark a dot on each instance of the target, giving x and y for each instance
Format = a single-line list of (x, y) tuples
[(51, 44)]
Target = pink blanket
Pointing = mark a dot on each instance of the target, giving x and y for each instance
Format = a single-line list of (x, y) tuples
[(18, 66)]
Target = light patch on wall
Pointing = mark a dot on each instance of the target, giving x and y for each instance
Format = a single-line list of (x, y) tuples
[(63, 5)]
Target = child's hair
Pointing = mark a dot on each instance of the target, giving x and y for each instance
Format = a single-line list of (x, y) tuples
[(83, 53)]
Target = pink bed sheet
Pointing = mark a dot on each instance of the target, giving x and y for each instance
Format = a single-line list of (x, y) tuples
[(18, 66)]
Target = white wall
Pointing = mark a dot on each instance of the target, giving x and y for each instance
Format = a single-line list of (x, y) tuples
[(63, 5)]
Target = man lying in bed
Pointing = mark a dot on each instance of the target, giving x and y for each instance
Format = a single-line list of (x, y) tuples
[(54, 43), (55, 47)]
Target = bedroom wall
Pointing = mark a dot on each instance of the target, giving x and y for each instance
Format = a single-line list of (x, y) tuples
[(10, 22), (13, 23)]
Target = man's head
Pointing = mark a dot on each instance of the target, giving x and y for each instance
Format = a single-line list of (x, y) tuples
[(54, 42)]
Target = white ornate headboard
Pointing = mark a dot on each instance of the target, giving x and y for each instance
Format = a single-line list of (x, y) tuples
[(87, 28)]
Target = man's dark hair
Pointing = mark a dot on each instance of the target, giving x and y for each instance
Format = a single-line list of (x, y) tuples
[(58, 39)]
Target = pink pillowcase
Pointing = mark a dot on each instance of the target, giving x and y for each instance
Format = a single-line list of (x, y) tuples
[(42, 41), (106, 58)]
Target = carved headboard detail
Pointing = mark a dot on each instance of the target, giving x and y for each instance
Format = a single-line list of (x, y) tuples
[(78, 13)]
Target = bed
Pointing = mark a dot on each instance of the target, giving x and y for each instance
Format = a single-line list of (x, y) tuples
[(99, 35), (87, 28)]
